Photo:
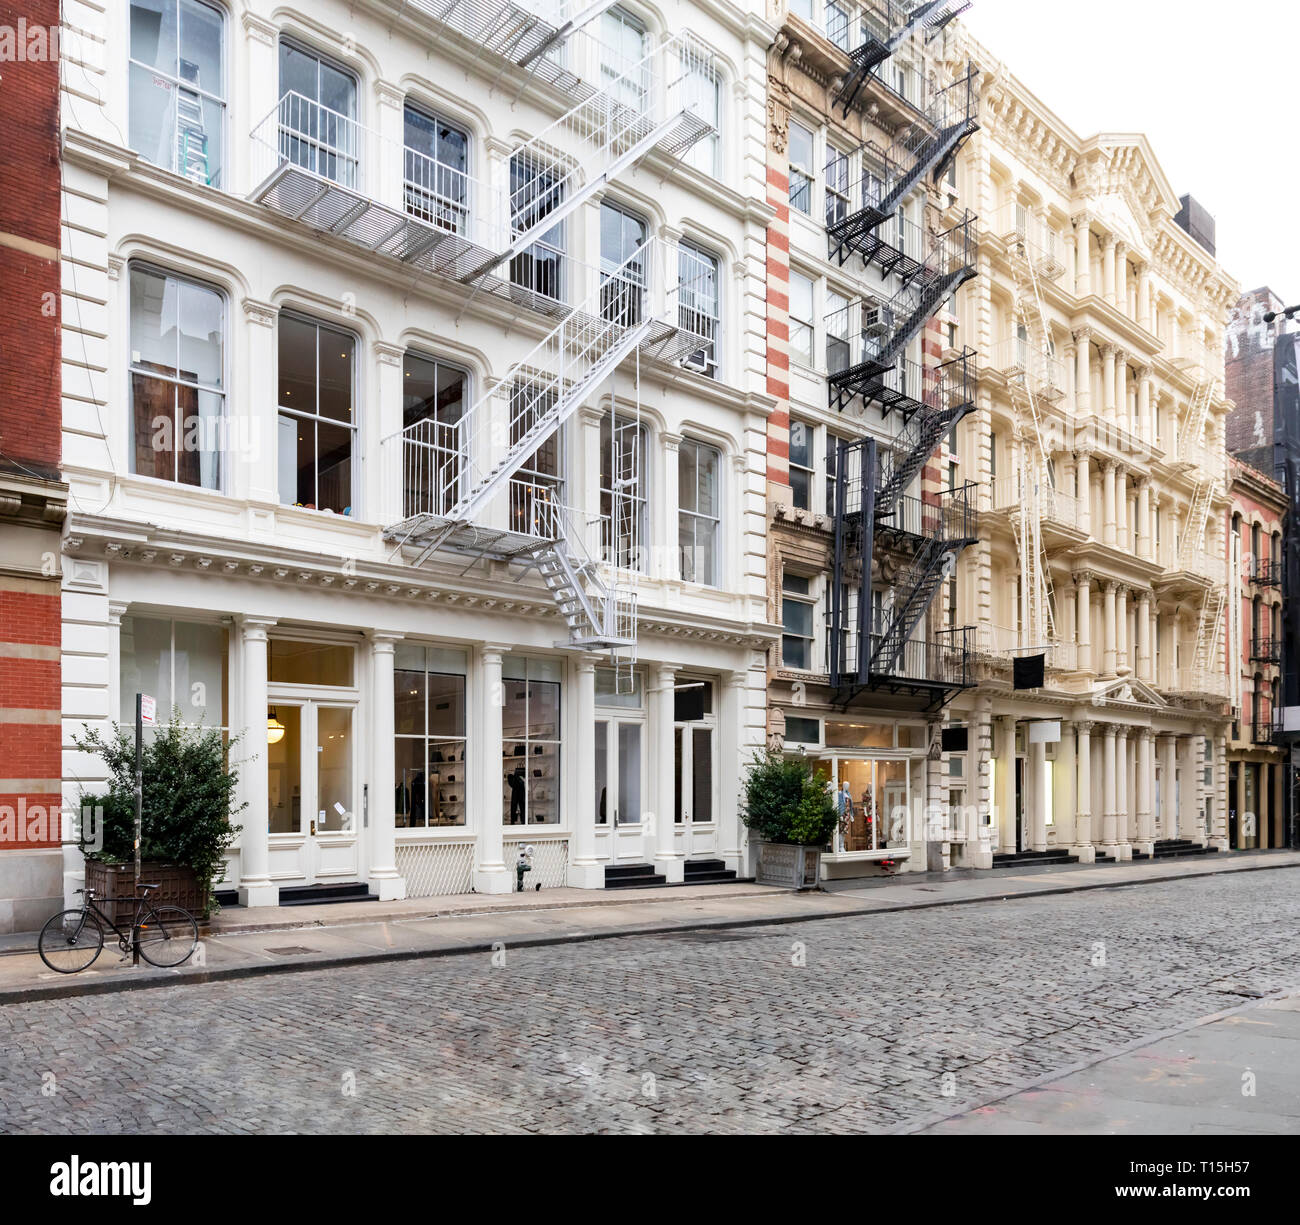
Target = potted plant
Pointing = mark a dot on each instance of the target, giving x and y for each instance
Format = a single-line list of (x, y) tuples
[(790, 810), (186, 816)]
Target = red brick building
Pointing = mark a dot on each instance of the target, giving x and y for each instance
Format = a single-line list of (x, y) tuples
[(33, 501)]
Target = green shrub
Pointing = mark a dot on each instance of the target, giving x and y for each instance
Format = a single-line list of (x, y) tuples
[(188, 798), (786, 800)]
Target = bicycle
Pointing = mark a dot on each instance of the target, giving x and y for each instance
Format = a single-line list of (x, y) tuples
[(166, 936)]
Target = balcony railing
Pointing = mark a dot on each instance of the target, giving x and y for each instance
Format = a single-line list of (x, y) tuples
[(1266, 731), (1266, 572), (1198, 564), (950, 517), (1055, 507), (1196, 682), (1265, 649), (942, 660), (1022, 364), (1007, 642)]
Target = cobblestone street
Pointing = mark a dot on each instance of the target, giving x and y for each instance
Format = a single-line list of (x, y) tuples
[(893, 1019)]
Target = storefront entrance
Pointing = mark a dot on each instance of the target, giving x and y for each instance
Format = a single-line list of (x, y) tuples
[(311, 783), (619, 773), (695, 797)]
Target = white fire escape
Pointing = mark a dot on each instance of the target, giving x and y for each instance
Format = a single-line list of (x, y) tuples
[(471, 485)]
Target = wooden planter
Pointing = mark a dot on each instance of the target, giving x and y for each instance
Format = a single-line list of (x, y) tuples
[(789, 867), (114, 886)]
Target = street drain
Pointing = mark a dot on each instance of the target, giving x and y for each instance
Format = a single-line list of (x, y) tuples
[(290, 950)]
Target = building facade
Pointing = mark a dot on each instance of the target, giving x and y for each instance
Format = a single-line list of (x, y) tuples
[(867, 111), (420, 444), (33, 499), (1098, 447), (1256, 760)]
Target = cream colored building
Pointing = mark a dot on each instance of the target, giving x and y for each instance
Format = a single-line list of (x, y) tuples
[(1098, 447)]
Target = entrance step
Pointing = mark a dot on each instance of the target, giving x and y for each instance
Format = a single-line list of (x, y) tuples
[(708, 872), (633, 876), (323, 895), (1177, 848), (226, 898), (1032, 859)]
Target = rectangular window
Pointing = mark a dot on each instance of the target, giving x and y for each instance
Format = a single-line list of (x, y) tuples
[(623, 507), (182, 665), (318, 116), (801, 463), (536, 191), (800, 145), (801, 317), (293, 662), (699, 513), (433, 403), (703, 96), (699, 308), (833, 445), (530, 730), (623, 49), (436, 160), (797, 610), (837, 332), (429, 736), (178, 402), (537, 488), (317, 425), (799, 730), (622, 265), (837, 185), (177, 87)]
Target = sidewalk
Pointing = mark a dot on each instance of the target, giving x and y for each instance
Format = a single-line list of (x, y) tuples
[(244, 943)]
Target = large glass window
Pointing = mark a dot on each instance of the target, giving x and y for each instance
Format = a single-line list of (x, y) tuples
[(178, 333), (801, 464), (433, 404), (530, 731), (837, 185), (699, 516), (837, 332), (623, 519), (622, 265), (182, 665), (177, 87), (797, 609), (291, 662), (317, 425), (703, 91), (800, 145), (537, 488), (536, 191), (436, 167), (318, 112), (624, 47), (699, 309), (429, 726), (802, 315)]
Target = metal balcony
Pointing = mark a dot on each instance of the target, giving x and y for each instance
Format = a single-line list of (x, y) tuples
[(1266, 572), (1266, 732), (950, 517), (1265, 649)]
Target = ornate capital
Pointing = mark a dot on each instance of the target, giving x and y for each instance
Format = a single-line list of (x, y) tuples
[(389, 354), (262, 313)]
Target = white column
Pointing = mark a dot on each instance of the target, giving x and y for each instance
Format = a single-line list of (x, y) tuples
[(1144, 297), (1083, 620), (1082, 372), (384, 177), (1144, 638), (254, 159), (1189, 822), (668, 562), (1109, 840), (1108, 268), (1123, 793), (255, 885), (1039, 794), (1064, 788), (586, 871), (1146, 430), (491, 873), (1108, 527), (1108, 628), (1168, 787), (1007, 786), (1122, 665), (385, 880), (383, 483), (1121, 277), (1146, 767), (1083, 268), (1145, 543), (1108, 352), (1083, 847), (668, 860), (1083, 482), (257, 479), (732, 765)]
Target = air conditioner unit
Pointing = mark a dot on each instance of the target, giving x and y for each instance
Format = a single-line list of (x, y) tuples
[(877, 319)]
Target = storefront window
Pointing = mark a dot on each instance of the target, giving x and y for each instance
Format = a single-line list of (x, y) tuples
[(180, 664), (309, 663), (873, 814), (530, 731), (429, 737), (859, 735)]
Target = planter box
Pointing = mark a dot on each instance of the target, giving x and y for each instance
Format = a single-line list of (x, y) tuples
[(114, 886), (789, 867)]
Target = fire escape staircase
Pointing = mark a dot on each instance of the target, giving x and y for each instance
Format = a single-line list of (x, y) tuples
[(924, 147), (885, 30), (910, 450), (914, 592)]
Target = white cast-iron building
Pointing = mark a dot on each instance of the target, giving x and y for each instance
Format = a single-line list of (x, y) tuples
[(414, 423)]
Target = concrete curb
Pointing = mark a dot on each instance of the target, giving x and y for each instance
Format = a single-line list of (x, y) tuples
[(329, 962)]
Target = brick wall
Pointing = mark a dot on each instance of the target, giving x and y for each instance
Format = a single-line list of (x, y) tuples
[(30, 407), (1248, 370)]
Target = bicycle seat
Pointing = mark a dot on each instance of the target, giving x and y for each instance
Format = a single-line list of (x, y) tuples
[(149, 886), (87, 892)]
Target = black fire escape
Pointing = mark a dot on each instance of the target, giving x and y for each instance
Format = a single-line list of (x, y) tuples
[(885, 25), (914, 541)]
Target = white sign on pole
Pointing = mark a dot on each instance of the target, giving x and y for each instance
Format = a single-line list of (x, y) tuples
[(148, 708)]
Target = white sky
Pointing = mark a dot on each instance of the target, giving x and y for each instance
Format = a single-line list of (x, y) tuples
[(1211, 84)]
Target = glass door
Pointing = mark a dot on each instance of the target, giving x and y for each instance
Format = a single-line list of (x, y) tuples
[(619, 766), (694, 788)]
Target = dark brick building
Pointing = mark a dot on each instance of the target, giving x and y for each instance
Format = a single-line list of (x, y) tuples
[(33, 501), (1248, 376)]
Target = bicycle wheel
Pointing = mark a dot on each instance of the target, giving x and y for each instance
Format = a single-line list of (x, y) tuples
[(71, 941), (168, 936)]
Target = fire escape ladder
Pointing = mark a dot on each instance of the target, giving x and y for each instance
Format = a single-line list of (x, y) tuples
[(520, 32), (910, 450), (885, 26), (1208, 627), (914, 593)]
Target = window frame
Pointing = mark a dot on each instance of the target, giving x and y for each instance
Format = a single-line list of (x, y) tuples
[(806, 327), (443, 202), (222, 451), (806, 174), (689, 313), (809, 599), (698, 517), (427, 740), (317, 143)]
